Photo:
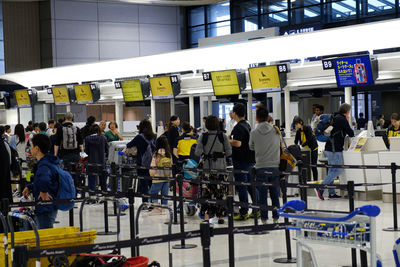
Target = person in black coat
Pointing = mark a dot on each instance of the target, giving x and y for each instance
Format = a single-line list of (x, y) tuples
[(5, 168), (305, 136)]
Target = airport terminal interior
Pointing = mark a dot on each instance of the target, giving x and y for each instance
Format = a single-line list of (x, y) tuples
[(199, 133)]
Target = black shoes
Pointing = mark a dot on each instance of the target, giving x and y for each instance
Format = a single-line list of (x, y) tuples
[(334, 196)]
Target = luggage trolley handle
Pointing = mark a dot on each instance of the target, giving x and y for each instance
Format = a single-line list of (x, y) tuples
[(299, 206), (34, 227)]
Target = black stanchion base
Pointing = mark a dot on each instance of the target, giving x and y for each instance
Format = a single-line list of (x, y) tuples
[(114, 215), (257, 233), (285, 260), (391, 229), (106, 233), (175, 223), (186, 246)]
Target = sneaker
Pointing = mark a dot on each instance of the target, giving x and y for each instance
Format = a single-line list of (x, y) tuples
[(252, 215), (241, 217), (334, 196), (221, 221), (320, 193)]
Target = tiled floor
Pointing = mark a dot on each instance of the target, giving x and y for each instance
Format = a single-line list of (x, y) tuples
[(250, 250)]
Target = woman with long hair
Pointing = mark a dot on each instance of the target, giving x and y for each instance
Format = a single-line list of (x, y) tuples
[(145, 138), (18, 141)]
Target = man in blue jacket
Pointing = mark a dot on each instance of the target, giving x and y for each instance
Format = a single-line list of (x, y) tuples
[(45, 182)]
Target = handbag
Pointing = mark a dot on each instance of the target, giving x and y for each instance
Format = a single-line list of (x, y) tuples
[(287, 160)]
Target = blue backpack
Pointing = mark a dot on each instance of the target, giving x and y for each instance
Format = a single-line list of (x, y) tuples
[(324, 127), (66, 189)]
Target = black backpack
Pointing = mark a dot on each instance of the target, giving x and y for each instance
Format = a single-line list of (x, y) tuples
[(15, 166)]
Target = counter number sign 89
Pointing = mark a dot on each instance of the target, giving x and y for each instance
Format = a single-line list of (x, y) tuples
[(327, 64)]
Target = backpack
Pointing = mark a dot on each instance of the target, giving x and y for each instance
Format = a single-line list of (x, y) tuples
[(66, 188), (148, 154), (205, 138), (324, 127), (15, 166), (70, 140), (287, 160), (190, 164)]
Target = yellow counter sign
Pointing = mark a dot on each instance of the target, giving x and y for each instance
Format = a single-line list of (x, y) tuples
[(264, 79), (132, 91), (225, 83), (161, 87), (83, 94), (60, 95), (22, 98)]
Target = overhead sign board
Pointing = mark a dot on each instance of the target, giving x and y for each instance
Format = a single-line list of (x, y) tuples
[(225, 82), (60, 95), (23, 99), (264, 79), (83, 94)]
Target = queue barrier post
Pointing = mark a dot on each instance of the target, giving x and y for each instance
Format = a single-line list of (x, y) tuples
[(302, 181), (71, 217), (205, 231), (20, 256), (289, 258), (231, 237), (174, 202), (182, 245), (131, 199), (393, 168), (350, 193)]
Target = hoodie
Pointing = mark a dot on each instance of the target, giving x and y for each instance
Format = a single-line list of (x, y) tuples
[(45, 180), (265, 141)]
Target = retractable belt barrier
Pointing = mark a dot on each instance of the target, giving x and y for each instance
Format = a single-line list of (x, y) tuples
[(205, 232)]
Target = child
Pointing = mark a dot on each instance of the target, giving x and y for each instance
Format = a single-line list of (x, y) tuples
[(162, 157)]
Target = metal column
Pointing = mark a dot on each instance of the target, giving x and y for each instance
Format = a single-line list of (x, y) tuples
[(153, 113), (119, 115), (191, 110), (287, 112)]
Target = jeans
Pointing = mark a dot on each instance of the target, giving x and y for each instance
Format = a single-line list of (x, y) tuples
[(334, 158), (314, 160), (69, 162), (46, 220), (263, 191), (243, 191), (162, 187)]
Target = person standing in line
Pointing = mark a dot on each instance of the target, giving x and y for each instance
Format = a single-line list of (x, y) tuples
[(231, 123), (18, 141), (50, 127), (5, 168), (334, 147), (35, 130), (45, 182), (102, 126), (85, 131), (242, 157), (96, 148), (162, 157), (214, 147), (305, 136), (53, 138), (43, 128), (394, 129), (113, 134), (145, 138), (319, 110), (173, 132), (185, 142), (8, 133), (29, 127), (69, 145), (265, 142)]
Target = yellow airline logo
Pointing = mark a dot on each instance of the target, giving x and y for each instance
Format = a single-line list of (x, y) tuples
[(83, 94), (264, 79), (225, 83), (23, 99), (161, 87), (60, 95), (132, 91)]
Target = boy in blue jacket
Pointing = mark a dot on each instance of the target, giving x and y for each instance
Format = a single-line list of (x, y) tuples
[(45, 182)]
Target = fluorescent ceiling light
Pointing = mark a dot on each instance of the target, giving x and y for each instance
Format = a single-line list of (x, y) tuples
[(231, 56)]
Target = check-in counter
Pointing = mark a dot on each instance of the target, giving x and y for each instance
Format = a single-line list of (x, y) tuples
[(364, 152), (387, 158)]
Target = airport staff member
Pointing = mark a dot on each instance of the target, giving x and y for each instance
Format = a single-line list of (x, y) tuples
[(394, 129), (185, 142), (306, 138)]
